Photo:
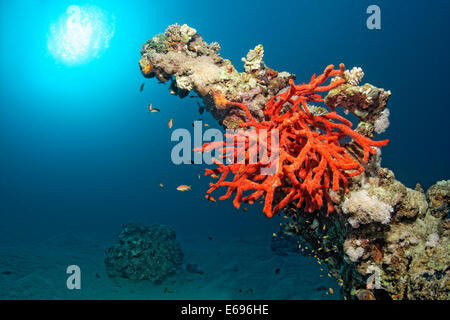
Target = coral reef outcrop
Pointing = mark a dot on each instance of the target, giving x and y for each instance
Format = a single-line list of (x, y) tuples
[(144, 253), (383, 239), (181, 56)]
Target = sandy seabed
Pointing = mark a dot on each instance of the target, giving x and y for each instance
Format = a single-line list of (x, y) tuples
[(232, 269)]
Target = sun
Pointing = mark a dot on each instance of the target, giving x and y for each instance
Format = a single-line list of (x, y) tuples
[(81, 34)]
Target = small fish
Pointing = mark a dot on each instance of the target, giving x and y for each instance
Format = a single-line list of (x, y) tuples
[(150, 106), (245, 209), (198, 176), (210, 198), (210, 238), (331, 290), (161, 185), (215, 176), (206, 125), (142, 87), (184, 187), (277, 271), (170, 124), (153, 110), (274, 234), (167, 290)]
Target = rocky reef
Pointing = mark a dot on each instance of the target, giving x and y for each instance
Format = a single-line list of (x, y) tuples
[(392, 240), (181, 56), (144, 253), (383, 240)]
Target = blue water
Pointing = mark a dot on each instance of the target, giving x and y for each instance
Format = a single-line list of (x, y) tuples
[(81, 153)]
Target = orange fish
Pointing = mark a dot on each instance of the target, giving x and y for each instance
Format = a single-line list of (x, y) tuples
[(170, 124), (215, 176), (151, 109), (210, 198), (184, 187), (206, 125), (161, 185)]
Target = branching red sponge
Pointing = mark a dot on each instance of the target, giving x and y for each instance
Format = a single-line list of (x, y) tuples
[(309, 152)]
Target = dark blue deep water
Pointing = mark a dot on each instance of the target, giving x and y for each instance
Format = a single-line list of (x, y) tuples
[(80, 153)]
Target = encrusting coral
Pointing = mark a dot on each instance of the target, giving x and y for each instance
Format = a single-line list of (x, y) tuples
[(386, 241)]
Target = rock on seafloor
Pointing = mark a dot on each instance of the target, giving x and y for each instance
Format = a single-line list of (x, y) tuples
[(144, 253)]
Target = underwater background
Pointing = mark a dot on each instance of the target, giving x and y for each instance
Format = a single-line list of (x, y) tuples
[(80, 154)]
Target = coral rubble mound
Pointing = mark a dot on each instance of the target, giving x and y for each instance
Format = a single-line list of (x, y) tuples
[(144, 253)]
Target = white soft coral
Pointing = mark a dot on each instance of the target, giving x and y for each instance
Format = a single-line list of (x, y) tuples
[(365, 209)]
